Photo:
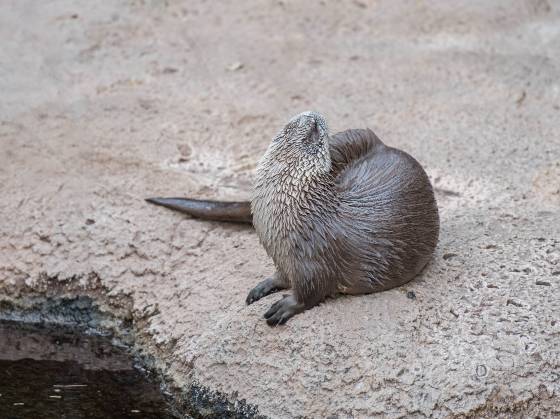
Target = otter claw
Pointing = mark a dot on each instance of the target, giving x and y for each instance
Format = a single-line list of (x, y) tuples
[(282, 310), (263, 288)]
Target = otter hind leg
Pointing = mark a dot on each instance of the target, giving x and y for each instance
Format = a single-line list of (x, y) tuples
[(268, 286), (282, 310)]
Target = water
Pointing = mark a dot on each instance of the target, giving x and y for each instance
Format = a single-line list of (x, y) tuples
[(59, 373)]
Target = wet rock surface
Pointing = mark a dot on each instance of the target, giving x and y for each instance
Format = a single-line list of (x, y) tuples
[(106, 103)]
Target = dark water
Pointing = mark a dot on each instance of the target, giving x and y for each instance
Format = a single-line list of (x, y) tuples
[(61, 374)]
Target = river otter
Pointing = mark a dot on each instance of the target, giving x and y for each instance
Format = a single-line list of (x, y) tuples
[(337, 214)]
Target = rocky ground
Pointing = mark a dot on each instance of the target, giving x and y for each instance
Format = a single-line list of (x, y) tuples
[(105, 103)]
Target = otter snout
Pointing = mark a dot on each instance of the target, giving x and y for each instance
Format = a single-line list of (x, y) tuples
[(311, 122)]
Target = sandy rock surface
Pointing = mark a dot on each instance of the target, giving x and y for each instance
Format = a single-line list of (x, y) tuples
[(105, 103)]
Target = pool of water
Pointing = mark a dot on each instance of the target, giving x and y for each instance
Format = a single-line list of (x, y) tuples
[(60, 373)]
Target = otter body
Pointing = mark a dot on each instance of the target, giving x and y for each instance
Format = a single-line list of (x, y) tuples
[(337, 214)]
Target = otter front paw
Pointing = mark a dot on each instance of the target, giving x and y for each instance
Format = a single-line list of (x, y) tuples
[(282, 310), (264, 288)]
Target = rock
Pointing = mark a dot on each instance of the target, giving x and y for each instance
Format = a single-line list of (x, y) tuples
[(88, 126)]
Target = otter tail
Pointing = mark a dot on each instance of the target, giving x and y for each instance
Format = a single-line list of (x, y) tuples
[(236, 212)]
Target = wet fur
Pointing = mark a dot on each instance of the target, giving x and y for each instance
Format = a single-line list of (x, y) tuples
[(360, 218), (339, 214)]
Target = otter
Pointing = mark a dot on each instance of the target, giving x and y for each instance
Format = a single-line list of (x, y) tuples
[(338, 214)]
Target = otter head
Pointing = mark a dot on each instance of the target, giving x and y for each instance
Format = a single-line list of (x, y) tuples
[(302, 145)]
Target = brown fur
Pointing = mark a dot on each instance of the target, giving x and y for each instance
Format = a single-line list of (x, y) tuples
[(339, 214)]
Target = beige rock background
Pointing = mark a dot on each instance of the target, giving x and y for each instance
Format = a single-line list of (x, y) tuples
[(105, 103)]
